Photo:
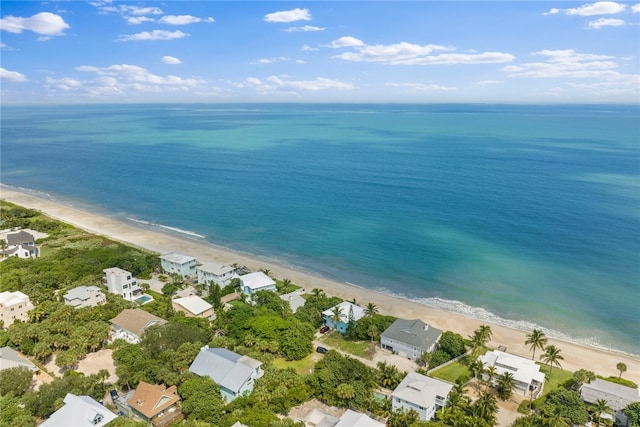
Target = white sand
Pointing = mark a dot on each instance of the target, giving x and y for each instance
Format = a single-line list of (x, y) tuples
[(576, 356)]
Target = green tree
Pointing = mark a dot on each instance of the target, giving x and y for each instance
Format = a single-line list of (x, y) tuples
[(373, 332), (621, 367), (215, 294), (506, 385), (15, 380), (486, 407), (632, 411), (336, 315), (370, 309), (479, 339), (201, 399), (402, 418), (346, 392), (13, 413), (552, 357), (582, 376), (600, 407), (536, 340), (568, 402)]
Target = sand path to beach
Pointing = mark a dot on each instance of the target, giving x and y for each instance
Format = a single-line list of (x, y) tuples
[(576, 356)]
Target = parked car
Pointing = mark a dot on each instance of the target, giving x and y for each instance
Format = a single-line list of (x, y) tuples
[(322, 350), (324, 329)]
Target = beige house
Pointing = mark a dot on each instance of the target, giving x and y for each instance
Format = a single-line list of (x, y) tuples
[(14, 306), (156, 404), (194, 306), (131, 323)]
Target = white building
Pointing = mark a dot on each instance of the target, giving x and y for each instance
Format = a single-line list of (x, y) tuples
[(617, 396), (216, 273), (254, 282), (21, 245), (14, 306), (526, 374), (357, 419), (178, 263), (425, 395), (80, 411), (85, 296), (194, 306), (348, 311), (410, 338), (122, 283)]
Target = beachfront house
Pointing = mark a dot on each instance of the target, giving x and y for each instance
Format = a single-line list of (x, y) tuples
[(617, 396), (527, 378), (410, 338), (254, 282), (235, 374), (213, 272), (121, 282), (9, 358), (131, 323), (420, 393), (85, 296), (194, 306), (14, 306), (21, 245), (80, 411), (294, 299), (348, 312), (178, 263), (155, 404)]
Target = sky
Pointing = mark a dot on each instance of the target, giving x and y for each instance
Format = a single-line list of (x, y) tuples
[(345, 51)]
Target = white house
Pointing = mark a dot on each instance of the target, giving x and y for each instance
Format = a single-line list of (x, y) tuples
[(179, 263), (216, 273), (80, 411), (294, 299), (122, 283), (254, 282), (420, 393), (347, 311), (9, 358), (194, 306), (85, 296), (131, 323), (617, 396), (357, 419), (235, 374), (410, 338), (21, 245), (14, 306), (527, 377)]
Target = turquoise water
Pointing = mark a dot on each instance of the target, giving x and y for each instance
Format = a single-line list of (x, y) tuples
[(521, 215)]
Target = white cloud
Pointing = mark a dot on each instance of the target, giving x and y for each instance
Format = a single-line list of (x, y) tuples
[(154, 35), (288, 16), (304, 28), (13, 76), (300, 61), (136, 10), (135, 20), (43, 23), (179, 19), (488, 82), (597, 8), (413, 54), (421, 87), (307, 48), (605, 22), (635, 8), (346, 41), (270, 60), (282, 84), (171, 60)]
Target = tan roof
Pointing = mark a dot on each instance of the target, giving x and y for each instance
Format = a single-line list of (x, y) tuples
[(151, 399), (136, 320)]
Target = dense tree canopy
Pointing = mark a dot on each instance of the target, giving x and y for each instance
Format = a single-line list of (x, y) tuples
[(15, 380)]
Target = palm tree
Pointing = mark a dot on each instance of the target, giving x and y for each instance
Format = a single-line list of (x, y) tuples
[(346, 392), (600, 407), (491, 372), (372, 332), (479, 339), (622, 368), (552, 357), (476, 368), (485, 333), (336, 315), (536, 339), (370, 310), (317, 292), (486, 407), (506, 385), (557, 418)]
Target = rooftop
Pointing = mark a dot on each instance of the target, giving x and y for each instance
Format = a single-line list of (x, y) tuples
[(256, 280), (421, 390), (194, 304), (79, 411), (12, 298), (177, 258), (523, 369), (116, 270), (357, 419), (9, 358), (81, 293), (617, 396), (215, 268), (225, 367), (136, 320), (151, 399), (415, 333), (345, 308), (19, 238)]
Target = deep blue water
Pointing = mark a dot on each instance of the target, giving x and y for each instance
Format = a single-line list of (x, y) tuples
[(527, 213)]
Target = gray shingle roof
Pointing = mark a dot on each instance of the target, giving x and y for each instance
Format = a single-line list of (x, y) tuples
[(20, 238), (226, 368), (415, 333)]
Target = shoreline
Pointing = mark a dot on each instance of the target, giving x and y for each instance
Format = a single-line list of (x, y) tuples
[(576, 355)]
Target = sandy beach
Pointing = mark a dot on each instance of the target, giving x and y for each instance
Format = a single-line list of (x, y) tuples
[(576, 356)]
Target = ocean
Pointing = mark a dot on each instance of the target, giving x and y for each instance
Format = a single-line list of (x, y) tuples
[(524, 215)]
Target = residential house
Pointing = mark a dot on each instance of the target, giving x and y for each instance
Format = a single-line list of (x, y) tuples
[(617, 396), (9, 358), (194, 306), (420, 393), (254, 282), (156, 404), (356, 419), (348, 312), (80, 411), (410, 338), (85, 296), (527, 378), (122, 283), (235, 374), (213, 272), (294, 299), (131, 323), (178, 263), (14, 306), (21, 245)]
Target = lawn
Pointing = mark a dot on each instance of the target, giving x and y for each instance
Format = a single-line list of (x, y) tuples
[(302, 367), (452, 372), (554, 380), (363, 349)]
